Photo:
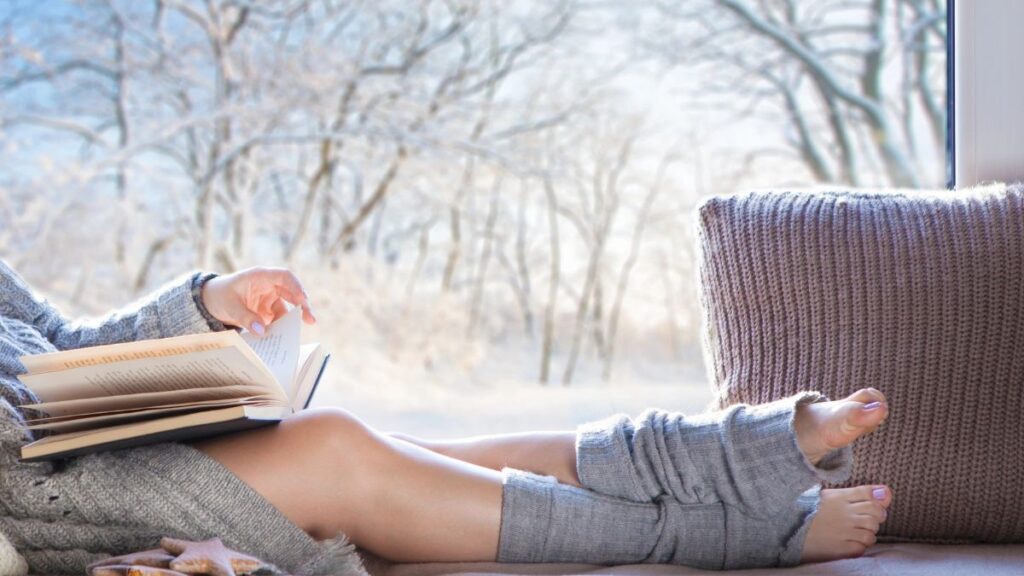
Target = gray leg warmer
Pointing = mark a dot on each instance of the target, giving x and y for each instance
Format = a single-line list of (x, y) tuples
[(745, 456), (544, 521), (713, 491)]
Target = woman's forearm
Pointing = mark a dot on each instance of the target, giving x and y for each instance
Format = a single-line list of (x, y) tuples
[(172, 310), (198, 302)]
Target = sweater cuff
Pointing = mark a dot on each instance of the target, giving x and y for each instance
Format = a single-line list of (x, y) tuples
[(176, 310), (199, 279)]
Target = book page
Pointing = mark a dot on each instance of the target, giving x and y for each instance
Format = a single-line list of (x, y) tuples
[(93, 355), (312, 359), (100, 420), (171, 406), (145, 400), (306, 353), (208, 369), (279, 347), (161, 429)]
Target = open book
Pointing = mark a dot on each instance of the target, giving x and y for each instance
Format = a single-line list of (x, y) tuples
[(187, 387)]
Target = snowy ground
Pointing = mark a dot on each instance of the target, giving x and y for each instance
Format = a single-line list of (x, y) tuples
[(392, 398)]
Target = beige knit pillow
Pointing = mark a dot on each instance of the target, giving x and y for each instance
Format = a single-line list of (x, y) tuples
[(920, 295)]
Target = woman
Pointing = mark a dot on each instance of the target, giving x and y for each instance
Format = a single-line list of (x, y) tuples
[(724, 490)]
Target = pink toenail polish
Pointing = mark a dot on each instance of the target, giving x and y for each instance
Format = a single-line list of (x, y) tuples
[(878, 493), (872, 405)]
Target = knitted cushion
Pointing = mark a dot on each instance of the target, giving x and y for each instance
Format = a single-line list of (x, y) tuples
[(920, 295)]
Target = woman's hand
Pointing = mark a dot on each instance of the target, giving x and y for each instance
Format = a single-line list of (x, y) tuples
[(255, 297)]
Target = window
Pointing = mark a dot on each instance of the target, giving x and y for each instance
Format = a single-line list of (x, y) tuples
[(491, 203), (987, 134)]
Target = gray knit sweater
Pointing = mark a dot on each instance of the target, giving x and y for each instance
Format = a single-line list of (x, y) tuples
[(63, 516)]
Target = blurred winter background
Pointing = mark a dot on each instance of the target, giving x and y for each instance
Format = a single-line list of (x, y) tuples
[(490, 202)]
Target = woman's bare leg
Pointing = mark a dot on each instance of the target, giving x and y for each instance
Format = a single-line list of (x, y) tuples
[(328, 473), (554, 453), (848, 518), (546, 453)]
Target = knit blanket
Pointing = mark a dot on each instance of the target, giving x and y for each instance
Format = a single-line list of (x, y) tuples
[(61, 518), (11, 563)]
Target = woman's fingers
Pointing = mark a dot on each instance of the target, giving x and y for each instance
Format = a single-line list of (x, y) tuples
[(289, 288), (298, 299), (279, 308), (256, 297)]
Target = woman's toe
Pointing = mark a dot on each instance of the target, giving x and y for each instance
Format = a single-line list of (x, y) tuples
[(881, 495), (824, 427), (867, 522), (865, 537), (867, 395), (872, 494), (872, 509), (860, 418)]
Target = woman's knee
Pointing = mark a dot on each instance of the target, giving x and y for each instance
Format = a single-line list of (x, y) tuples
[(333, 456), (331, 433), (340, 459)]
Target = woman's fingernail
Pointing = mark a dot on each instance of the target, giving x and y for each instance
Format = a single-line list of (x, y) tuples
[(872, 405), (257, 328), (878, 493)]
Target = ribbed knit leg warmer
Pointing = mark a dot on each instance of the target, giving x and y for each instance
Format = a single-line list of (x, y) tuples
[(545, 521), (725, 490), (745, 456)]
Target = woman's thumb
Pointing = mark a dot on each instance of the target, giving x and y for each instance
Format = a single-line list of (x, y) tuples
[(250, 320)]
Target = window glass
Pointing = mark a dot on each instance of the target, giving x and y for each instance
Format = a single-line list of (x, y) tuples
[(491, 203)]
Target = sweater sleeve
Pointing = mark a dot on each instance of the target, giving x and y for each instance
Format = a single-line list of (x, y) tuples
[(174, 309)]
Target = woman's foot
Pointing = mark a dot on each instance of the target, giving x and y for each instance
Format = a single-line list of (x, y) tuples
[(846, 523), (822, 427)]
